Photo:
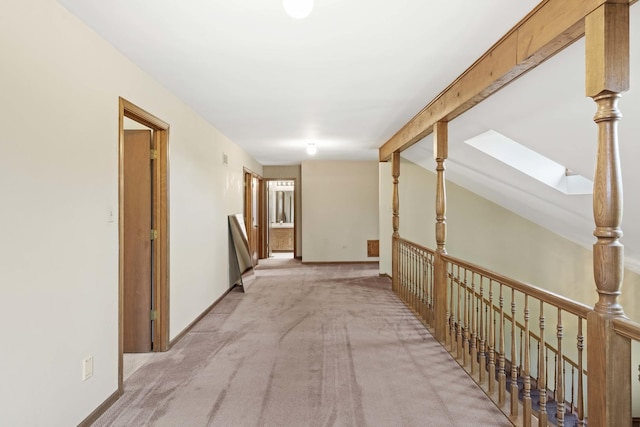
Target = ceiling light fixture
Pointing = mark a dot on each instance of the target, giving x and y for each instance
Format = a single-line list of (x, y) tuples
[(298, 9), (311, 149)]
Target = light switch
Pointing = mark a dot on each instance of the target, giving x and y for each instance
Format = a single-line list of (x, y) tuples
[(87, 368)]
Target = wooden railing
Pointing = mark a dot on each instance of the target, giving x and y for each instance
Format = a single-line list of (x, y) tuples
[(492, 319), (464, 305), (524, 368), (414, 281)]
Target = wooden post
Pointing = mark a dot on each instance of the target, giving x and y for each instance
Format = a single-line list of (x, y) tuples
[(609, 355), (395, 172), (440, 153)]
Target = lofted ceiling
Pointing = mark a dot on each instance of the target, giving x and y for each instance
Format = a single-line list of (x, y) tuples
[(355, 71)]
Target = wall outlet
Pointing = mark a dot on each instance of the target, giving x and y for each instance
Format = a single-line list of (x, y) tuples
[(87, 368)]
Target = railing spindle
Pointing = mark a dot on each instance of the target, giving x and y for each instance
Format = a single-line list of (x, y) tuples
[(502, 376), (473, 307), (542, 373), (514, 357), (526, 399), (467, 309), (452, 330), (483, 334), (581, 422), (560, 373), (492, 342), (458, 316)]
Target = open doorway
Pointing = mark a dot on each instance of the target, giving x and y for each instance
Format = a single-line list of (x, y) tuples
[(143, 234), (281, 240)]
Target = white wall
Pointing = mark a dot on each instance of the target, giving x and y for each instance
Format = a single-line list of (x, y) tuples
[(60, 85), (340, 206), (486, 234)]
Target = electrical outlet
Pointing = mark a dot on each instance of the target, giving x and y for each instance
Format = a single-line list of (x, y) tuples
[(87, 368)]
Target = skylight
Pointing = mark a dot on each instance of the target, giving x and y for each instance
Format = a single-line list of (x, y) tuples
[(531, 163)]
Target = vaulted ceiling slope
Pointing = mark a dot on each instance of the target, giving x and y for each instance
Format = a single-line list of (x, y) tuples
[(547, 111), (355, 71)]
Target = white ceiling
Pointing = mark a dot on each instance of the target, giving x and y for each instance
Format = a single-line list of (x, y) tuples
[(355, 71)]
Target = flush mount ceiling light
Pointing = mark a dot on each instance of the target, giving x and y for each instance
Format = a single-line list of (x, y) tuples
[(311, 149), (298, 9)]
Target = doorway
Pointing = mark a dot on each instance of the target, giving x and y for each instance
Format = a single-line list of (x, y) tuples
[(281, 241), (143, 233)]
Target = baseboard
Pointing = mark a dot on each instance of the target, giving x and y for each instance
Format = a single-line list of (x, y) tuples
[(299, 257), (339, 262), (186, 330), (387, 275), (93, 417), (635, 422)]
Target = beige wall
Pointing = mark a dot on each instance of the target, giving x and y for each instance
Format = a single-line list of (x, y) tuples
[(340, 206), (486, 234), (59, 181), (491, 236), (285, 172)]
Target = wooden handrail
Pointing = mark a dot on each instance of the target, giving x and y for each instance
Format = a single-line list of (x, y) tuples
[(576, 308), (573, 307), (627, 328), (415, 245)]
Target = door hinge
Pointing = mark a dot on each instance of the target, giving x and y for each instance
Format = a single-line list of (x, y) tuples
[(153, 315), (154, 234), (153, 154)]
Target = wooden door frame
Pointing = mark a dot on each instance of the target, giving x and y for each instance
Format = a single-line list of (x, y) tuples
[(159, 220), (248, 201), (265, 217)]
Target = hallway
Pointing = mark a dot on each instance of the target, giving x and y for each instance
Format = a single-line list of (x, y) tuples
[(308, 345)]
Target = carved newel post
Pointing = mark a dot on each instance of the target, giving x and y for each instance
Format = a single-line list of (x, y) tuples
[(395, 172), (609, 355), (440, 153)]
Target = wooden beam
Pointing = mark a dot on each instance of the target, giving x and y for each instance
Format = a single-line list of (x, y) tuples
[(550, 27)]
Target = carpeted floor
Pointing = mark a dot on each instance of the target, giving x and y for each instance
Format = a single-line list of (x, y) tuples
[(307, 345)]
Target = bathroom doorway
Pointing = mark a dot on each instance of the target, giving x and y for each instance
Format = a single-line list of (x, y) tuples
[(281, 235)]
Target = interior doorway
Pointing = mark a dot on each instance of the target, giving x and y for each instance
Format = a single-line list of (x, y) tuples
[(143, 233), (281, 240)]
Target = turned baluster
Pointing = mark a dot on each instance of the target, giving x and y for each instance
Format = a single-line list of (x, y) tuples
[(471, 332), (412, 281), (459, 316), (465, 331), (402, 266), (422, 281), (580, 375), (542, 373), (405, 263), (492, 344), (452, 329), (514, 357), (483, 334), (416, 281), (502, 376), (560, 373), (526, 399)]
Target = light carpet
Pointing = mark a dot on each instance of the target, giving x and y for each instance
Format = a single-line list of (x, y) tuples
[(307, 345)]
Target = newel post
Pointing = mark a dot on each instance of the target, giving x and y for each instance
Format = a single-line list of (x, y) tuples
[(395, 172), (440, 153), (609, 355)]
